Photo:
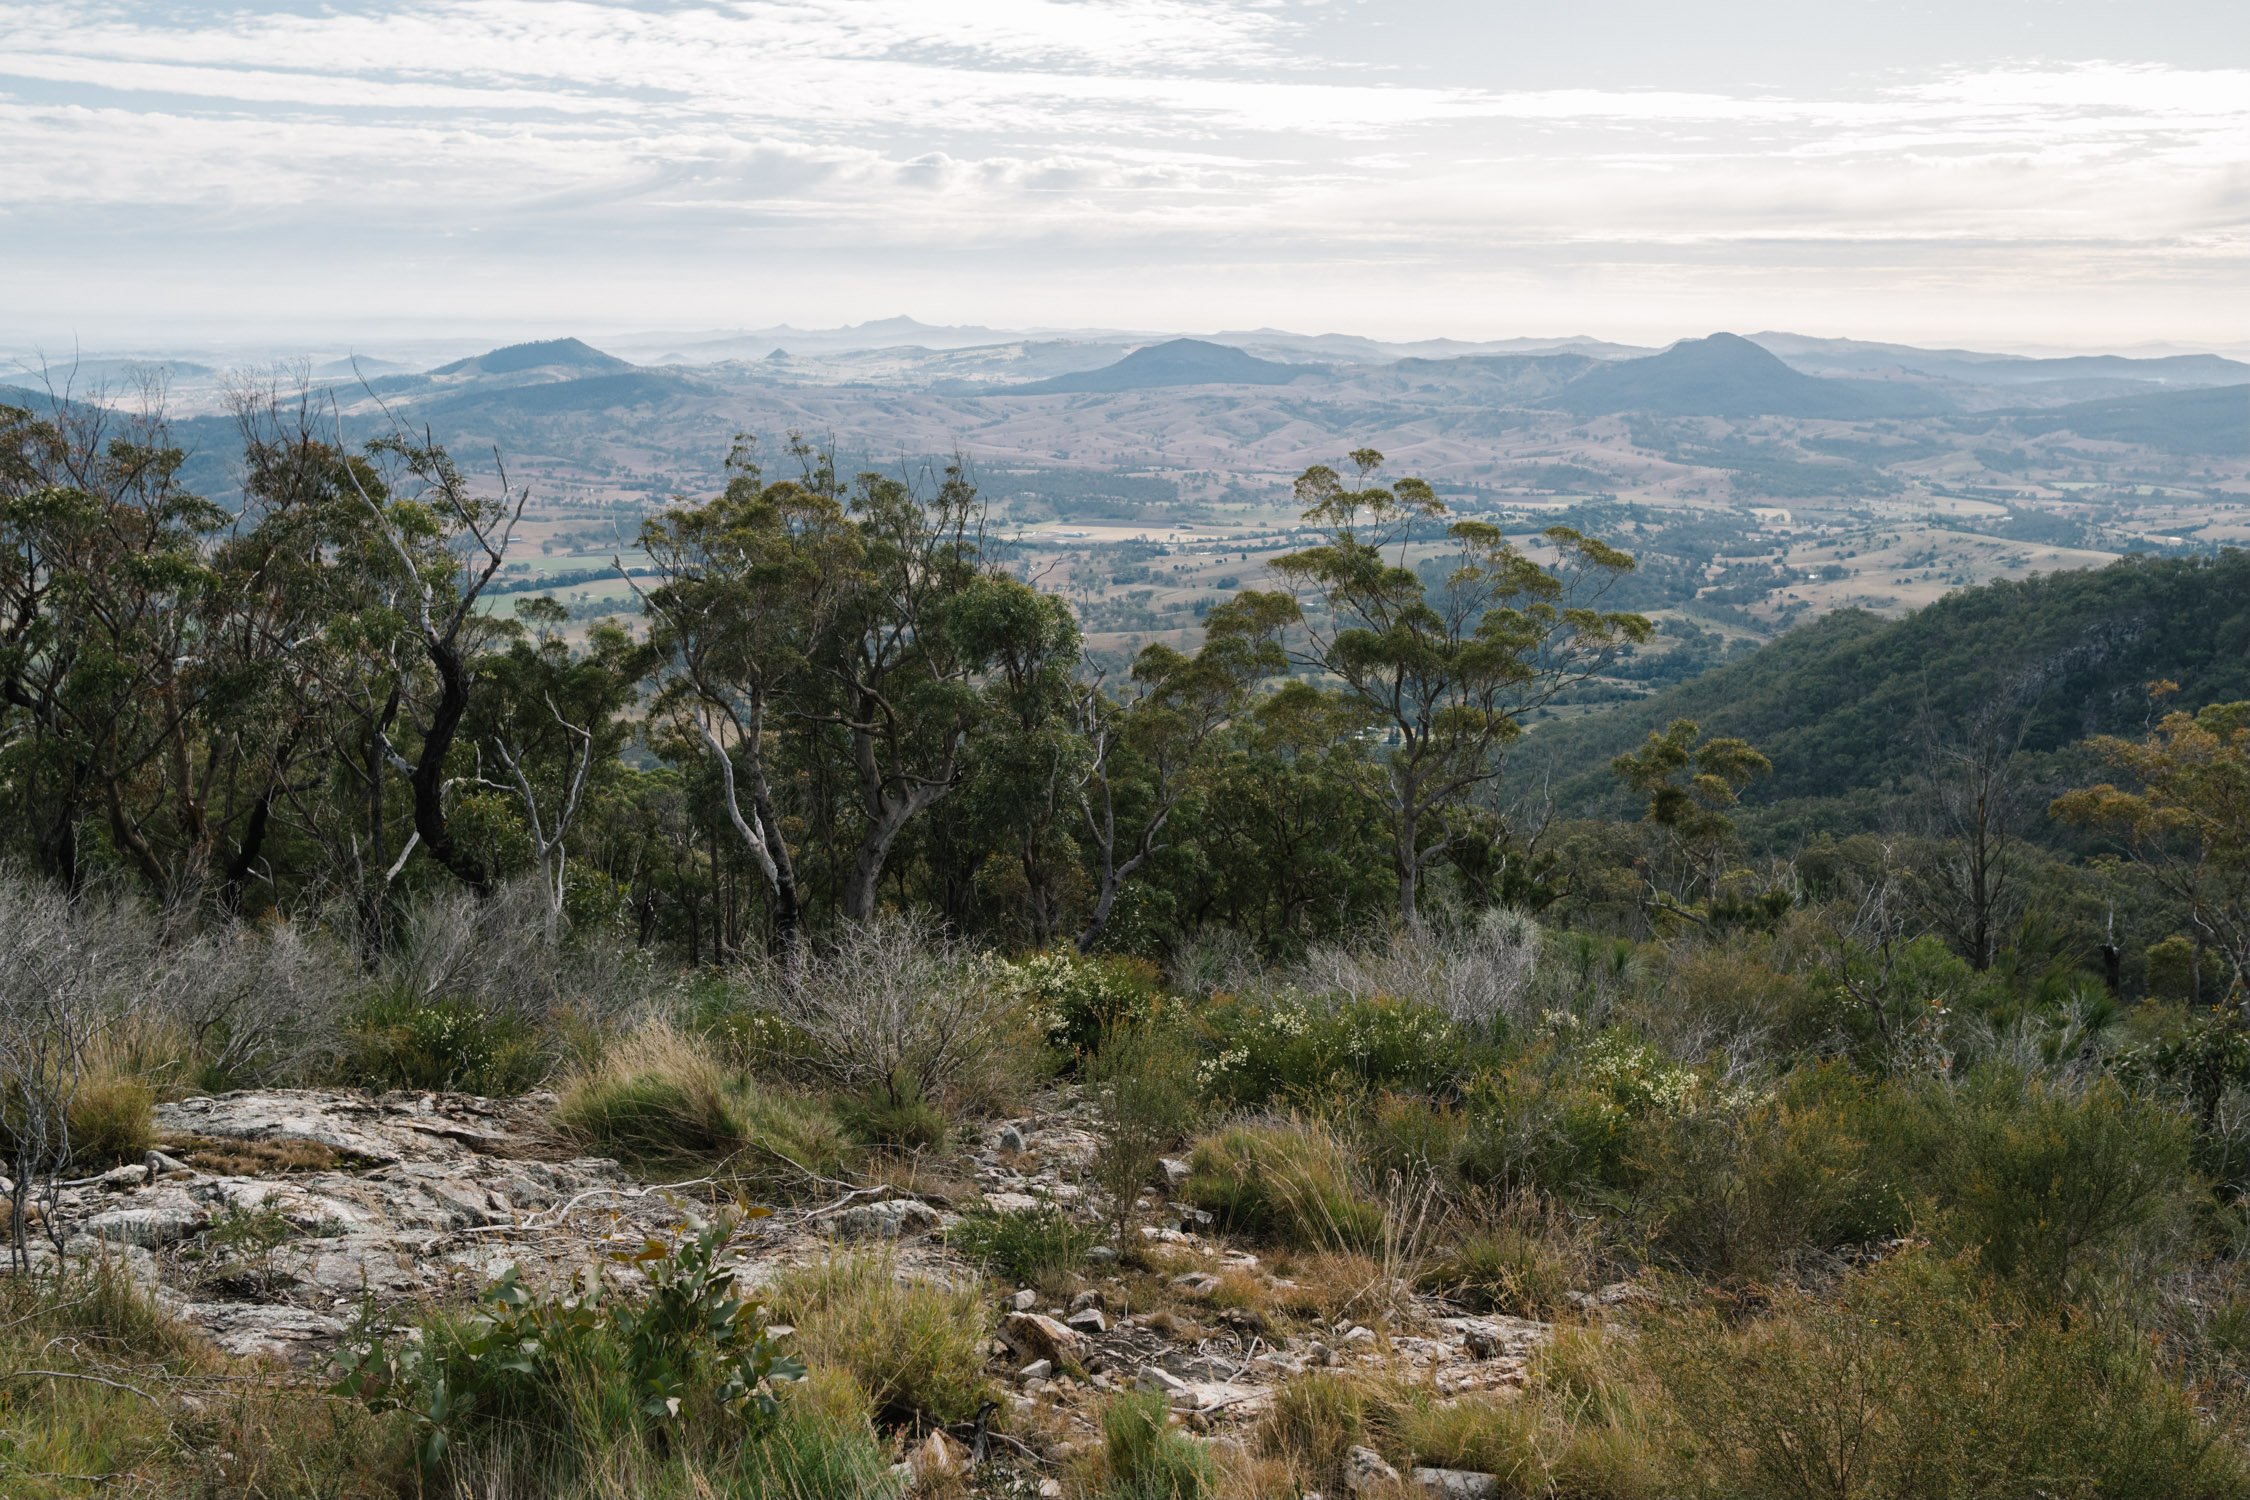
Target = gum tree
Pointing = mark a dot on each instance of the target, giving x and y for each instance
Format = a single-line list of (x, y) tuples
[(1446, 636)]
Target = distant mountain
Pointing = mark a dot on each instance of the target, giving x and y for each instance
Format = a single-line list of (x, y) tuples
[(1726, 375), (2213, 421), (1852, 357), (545, 354), (1834, 703), (352, 366), (1179, 362)]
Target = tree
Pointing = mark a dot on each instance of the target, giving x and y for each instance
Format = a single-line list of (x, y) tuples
[(1445, 672), (749, 583), (1691, 785), (551, 718), (448, 543), (1972, 798), (1156, 737), (2187, 826)]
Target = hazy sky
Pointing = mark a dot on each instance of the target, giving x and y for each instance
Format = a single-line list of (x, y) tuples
[(2049, 171)]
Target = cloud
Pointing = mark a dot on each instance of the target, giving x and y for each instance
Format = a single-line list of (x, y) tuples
[(1174, 132)]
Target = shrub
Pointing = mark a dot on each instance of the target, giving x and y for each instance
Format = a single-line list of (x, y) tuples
[(1029, 1246), (1823, 1162), (1295, 1049), (915, 1124), (2048, 1182), (1148, 1460), (1145, 1103), (1913, 1381), (894, 1014), (1077, 1000), (574, 1374), (1288, 1180), (400, 1040), (915, 1347), (1474, 975)]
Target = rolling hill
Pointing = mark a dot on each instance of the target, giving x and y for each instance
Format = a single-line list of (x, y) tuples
[(2216, 420), (544, 354), (1835, 703), (1726, 375), (1174, 363)]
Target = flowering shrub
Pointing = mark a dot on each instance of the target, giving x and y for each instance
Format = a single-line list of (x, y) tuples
[(1077, 999), (1297, 1047)]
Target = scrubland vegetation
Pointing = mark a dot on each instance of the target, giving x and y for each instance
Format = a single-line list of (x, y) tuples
[(1872, 1167)]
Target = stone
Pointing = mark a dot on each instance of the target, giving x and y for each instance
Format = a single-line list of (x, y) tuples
[(1041, 1337), (1101, 1255), (1359, 1336), (1024, 1300), (1038, 1369), (123, 1179), (1175, 1171), (165, 1224), (268, 1330), (1200, 1283), (1088, 1320), (1459, 1484), (1157, 1378), (1011, 1139), (892, 1219), (1091, 1297), (1364, 1470)]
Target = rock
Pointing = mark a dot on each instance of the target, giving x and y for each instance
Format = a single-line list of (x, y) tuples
[(160, 1165), (892, 1219), (1101, 1255), (1010, 1203), (123, 1179), (1175, 1171), (164, 1224), (1481, 1339), (1024, 1300), (1088, 1320), (1459, 1484), (939, 1458), (1359, 1336), (1201, 1283), (1050, 1489), (1038, 1369), (272, 1331), (1364, 1469), (1042, 1337), (1091, 1297), (1157, 1378), (1011, 1139)]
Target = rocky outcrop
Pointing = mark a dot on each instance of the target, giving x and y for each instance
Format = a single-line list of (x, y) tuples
[(275, 1221)]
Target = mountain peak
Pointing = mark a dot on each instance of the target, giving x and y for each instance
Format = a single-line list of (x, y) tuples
[(540, 354), (1171, 363)]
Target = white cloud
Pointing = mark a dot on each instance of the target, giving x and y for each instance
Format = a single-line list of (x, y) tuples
[(1156, 132)]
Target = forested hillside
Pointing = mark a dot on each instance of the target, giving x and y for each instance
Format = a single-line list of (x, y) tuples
[(1844, 706)]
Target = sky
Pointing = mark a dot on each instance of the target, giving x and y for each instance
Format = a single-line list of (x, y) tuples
[(2071, 173)]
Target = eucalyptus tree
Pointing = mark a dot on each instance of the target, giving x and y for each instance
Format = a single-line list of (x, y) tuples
[(748, 585), (1144, 748), (551, 718), (149, 634), (1446, 674)]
